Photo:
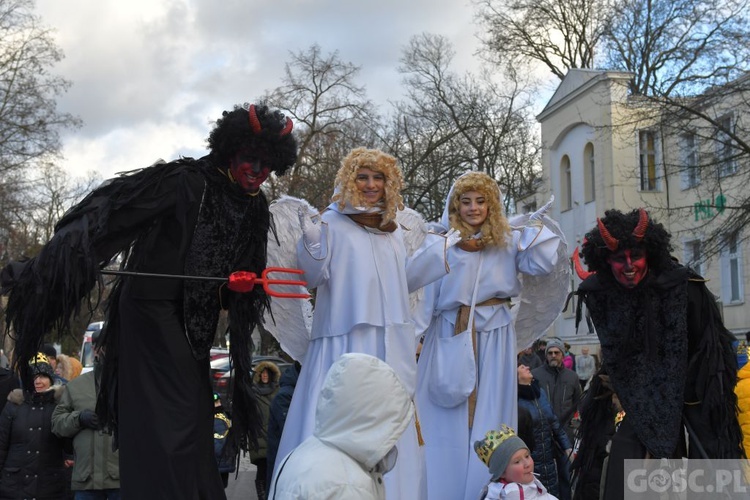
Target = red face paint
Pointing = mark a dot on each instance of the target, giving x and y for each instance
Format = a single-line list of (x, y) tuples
[(248, 171), (629, 267)]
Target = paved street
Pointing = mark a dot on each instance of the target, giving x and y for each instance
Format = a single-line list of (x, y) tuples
[(243, 486)]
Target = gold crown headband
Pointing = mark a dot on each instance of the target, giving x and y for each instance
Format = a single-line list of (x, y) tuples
[(491, 441), (39, 358)]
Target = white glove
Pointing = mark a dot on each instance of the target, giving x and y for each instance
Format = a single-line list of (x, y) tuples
[(452, 237), (535, 219), (310, 230)]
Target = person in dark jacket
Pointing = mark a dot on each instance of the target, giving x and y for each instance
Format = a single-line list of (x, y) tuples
[(564, 392), (31, 456), (265, 385), (548, 434), (277, 417), (96, 470), (222, 424)]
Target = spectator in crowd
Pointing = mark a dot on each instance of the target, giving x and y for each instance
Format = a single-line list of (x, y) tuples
[(51, 353), (564, 392), (31, 456), (529, 358), (224, 458), (541, 347), (548, 435), (277, 415), (569, 359), (96, 471), (585, 367), (511, 467), (362, 410), (265, 385)]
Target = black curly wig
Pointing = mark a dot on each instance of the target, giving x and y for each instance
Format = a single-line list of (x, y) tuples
[(656, 242), (275, 141)]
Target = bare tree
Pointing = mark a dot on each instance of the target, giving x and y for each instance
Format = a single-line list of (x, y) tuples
[(31, 212), (680, 47), (449, 124), (331, 114), (558, 34), (29, 119)]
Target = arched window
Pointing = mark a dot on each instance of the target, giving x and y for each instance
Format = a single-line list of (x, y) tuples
[(566, 188), (589, 173)]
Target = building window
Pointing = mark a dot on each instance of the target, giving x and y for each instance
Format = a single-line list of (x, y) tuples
[(589, 172), (647, 152), (693, 256), (566, 187), (732, 282), (691, 175), (725, 148)]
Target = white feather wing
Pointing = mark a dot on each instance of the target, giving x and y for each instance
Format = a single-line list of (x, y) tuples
[(542, 297), (288, 320), (414, 229)]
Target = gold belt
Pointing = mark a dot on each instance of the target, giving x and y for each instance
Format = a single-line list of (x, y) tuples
[(462, 324)]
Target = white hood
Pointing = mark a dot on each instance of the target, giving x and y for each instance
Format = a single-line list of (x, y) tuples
[(362, 409)]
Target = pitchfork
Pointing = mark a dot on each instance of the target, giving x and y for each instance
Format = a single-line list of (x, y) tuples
[(263, 280)]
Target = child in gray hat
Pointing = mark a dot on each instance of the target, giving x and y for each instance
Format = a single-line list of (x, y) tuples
[(511, 467)]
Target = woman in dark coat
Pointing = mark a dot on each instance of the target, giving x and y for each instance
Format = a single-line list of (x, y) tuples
[(31, 457), (549, 436), (265, 387)]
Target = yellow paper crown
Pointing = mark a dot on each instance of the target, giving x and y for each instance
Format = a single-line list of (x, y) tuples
[(39, 358), (491, 441)]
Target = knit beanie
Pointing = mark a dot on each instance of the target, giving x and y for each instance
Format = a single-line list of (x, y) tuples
[(40, 365), (497, 448), (554, 342)]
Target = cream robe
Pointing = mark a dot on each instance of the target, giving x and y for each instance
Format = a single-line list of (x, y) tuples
[(363, 279), (454, 471)]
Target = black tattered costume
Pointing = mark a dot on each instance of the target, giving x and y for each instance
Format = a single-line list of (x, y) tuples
[(183, 218), (668, 359)]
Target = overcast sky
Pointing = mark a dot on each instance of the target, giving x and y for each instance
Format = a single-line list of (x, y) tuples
[(149, 76)]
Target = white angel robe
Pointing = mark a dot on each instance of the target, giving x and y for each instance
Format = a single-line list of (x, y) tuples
[(363, 279), (454, 471)]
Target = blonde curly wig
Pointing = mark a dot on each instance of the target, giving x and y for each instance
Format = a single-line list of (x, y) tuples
[(495, 229), (377, 161)]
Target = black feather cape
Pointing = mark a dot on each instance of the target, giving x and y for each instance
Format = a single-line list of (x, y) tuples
[(182, 217)]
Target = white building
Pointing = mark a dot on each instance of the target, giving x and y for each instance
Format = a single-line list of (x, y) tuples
[(603, 149)]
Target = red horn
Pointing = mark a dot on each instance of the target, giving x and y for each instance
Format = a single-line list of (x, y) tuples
[(640, 230), (254, 122), (580, 271), (609, 240), (287, 128)]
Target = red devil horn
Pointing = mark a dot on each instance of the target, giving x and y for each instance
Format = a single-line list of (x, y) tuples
[(640, 230), (609, 240), (254, 122), (580, 271), (287, 128)]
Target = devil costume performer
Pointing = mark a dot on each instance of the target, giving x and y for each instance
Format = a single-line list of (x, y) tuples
[(666, 353), (196, 217), (485, 265)]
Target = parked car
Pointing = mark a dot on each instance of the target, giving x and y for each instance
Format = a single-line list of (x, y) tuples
[(219, 367), (223, 382), (87, 347), (218, 352)]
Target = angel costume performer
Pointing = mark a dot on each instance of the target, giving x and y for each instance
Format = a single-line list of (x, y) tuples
[(198, 217), (357, 260), (464, 389)]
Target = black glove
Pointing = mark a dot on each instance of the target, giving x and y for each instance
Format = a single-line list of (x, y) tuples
[(89, 419)]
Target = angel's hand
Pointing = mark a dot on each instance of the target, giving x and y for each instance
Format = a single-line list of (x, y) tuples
[(310, 230), (452, 237), (535, 219)]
